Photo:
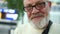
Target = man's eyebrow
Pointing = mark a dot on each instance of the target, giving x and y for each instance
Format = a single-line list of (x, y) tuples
[(32, 4), (29, 5), (38, 2), (35, 3)]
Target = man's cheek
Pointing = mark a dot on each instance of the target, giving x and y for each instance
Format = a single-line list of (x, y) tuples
[(29, 15), (44, 11)]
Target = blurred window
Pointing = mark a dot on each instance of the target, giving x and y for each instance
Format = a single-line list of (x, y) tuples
[(55, 8)]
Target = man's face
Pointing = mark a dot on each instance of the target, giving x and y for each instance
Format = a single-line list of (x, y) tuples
[(36, 10)]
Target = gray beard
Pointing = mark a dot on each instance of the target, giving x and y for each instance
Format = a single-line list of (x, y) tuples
[(41, 24)]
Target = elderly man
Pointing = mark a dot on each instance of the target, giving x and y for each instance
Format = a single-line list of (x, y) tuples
[(38, 19)]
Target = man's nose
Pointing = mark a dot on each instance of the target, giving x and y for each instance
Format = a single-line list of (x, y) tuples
[(35, 10)]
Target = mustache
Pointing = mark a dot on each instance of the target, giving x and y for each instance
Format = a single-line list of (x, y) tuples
[(37, 15)]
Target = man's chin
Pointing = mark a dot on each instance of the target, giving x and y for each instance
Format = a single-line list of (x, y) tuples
[(39, 24)]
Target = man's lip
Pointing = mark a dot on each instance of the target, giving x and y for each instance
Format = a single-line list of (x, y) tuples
[(36, 17)]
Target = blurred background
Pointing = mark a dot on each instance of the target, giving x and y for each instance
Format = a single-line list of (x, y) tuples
[(12, 15)]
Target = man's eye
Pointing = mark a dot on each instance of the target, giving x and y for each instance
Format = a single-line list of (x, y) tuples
[(43, 3), (28, 6)]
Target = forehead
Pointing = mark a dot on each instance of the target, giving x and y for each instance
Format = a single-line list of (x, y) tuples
[(26, 2)]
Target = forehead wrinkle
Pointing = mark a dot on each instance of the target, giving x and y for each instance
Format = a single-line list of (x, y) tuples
[(27, 2)]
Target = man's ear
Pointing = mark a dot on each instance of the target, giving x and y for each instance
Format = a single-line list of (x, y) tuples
[(49, 3)]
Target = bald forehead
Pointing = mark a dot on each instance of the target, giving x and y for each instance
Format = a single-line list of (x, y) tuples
[(26, 2)]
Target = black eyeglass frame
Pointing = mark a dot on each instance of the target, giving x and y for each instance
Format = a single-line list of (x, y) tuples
[(37, 6)]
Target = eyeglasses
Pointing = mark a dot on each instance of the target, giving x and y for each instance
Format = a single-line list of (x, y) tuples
[(38, 6)]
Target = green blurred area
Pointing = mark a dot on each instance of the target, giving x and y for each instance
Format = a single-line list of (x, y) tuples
[(16, 4)]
